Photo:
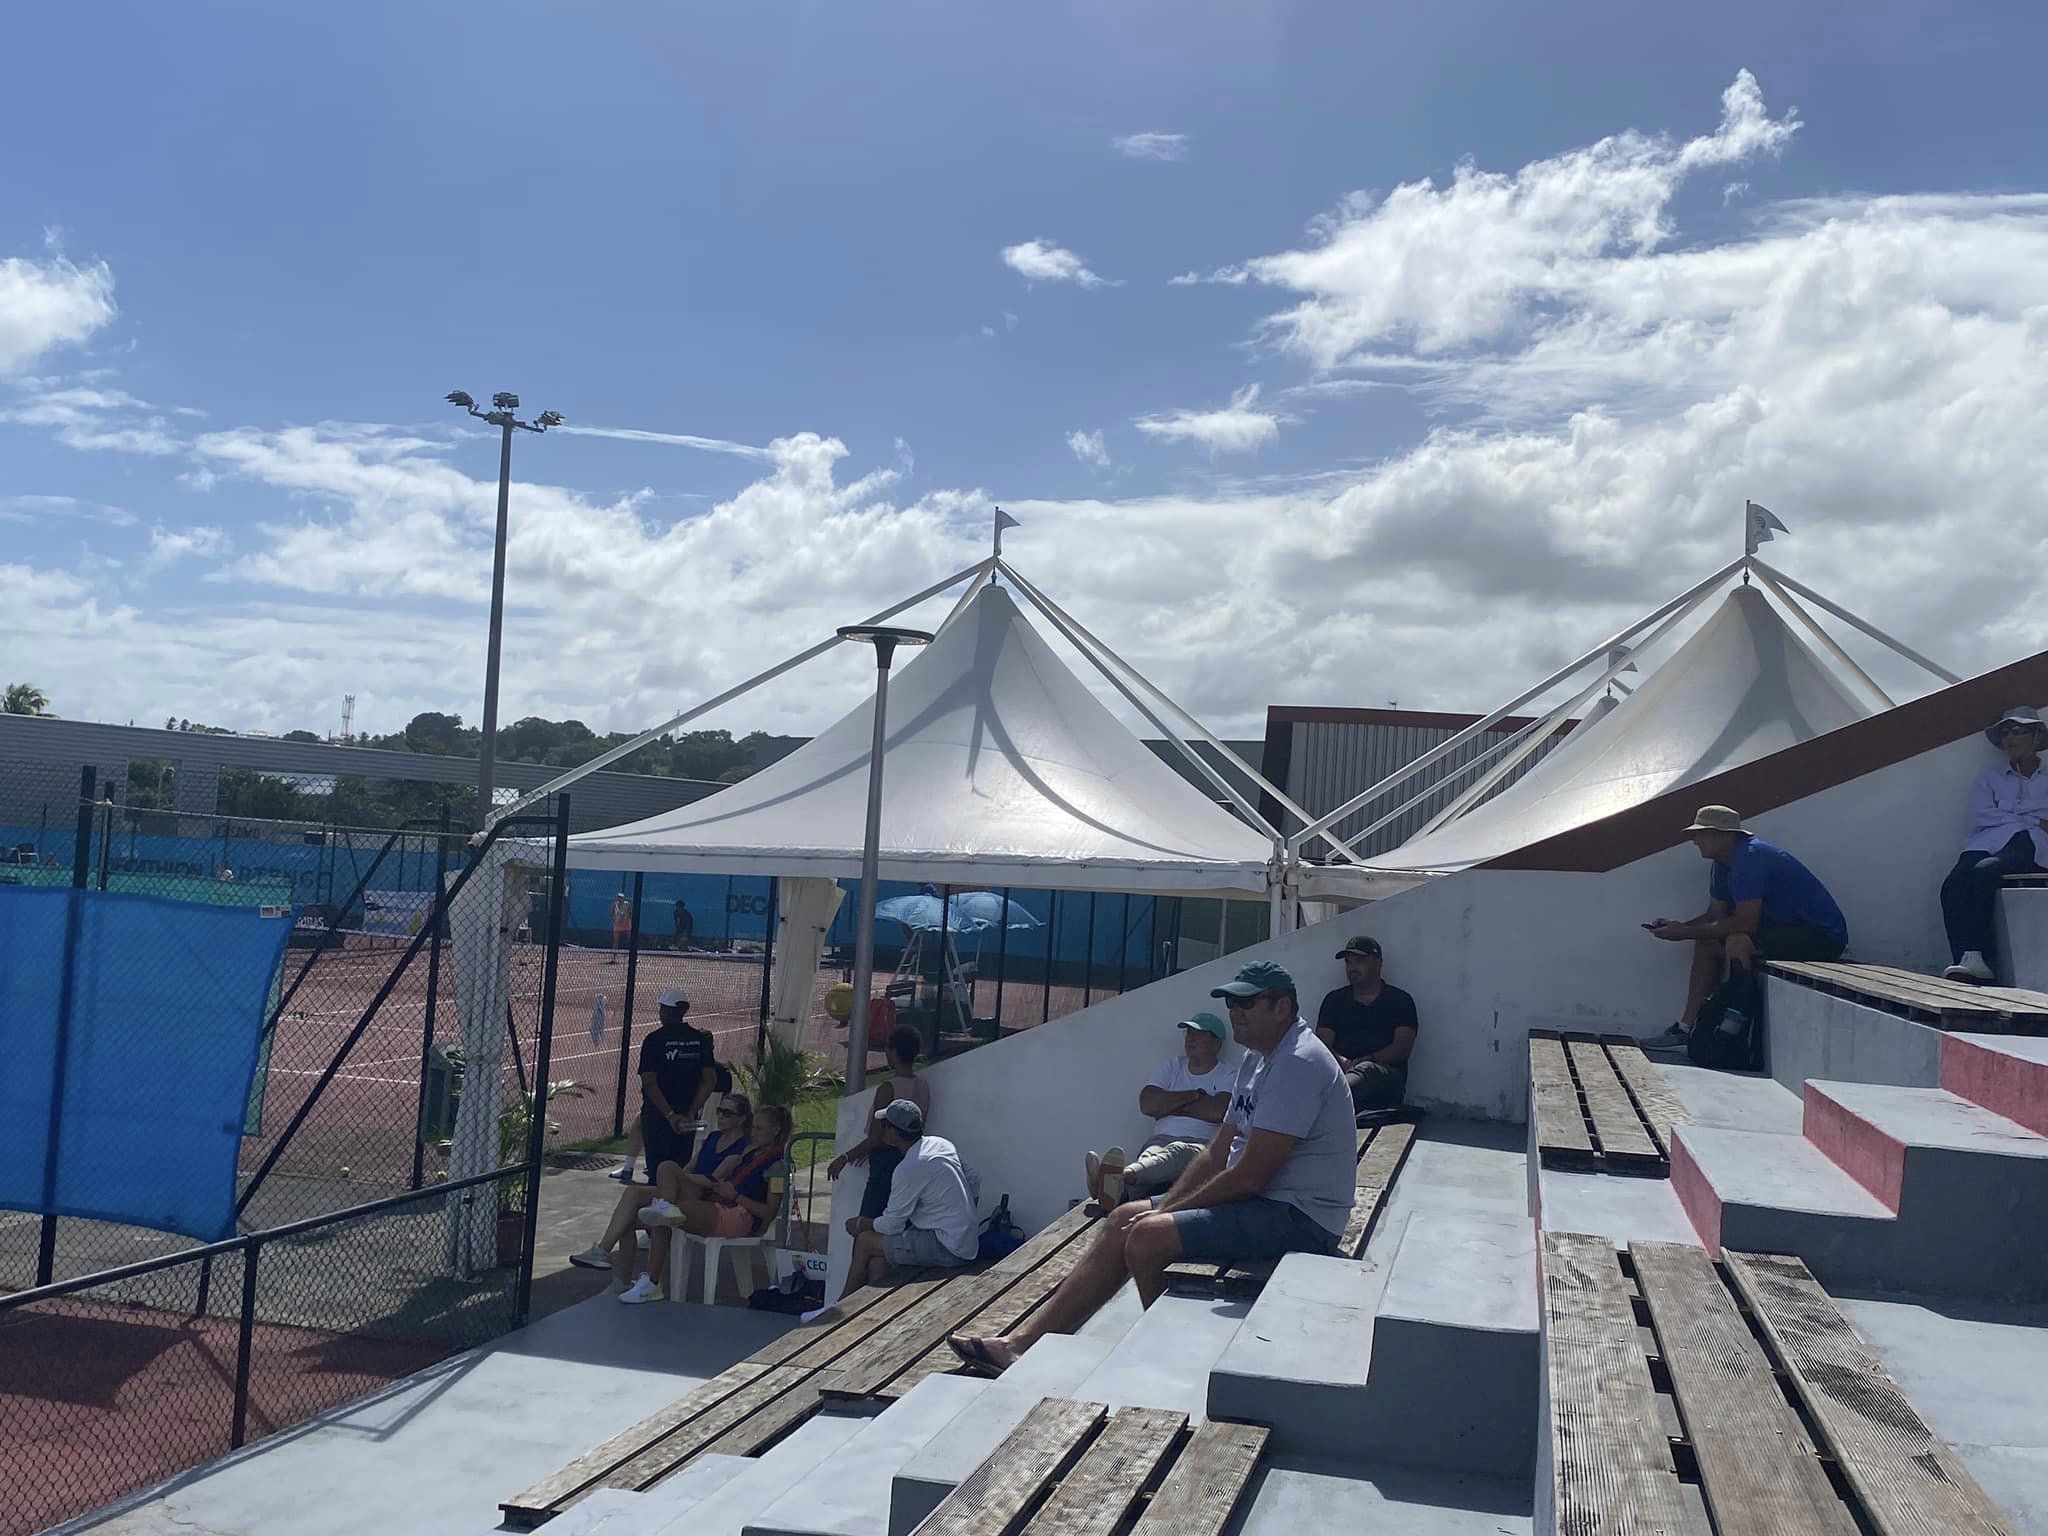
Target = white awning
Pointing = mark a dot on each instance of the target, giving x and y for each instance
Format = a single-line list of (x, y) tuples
[(1001, 768)]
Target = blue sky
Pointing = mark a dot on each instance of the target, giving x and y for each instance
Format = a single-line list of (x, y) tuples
[(228, 489)]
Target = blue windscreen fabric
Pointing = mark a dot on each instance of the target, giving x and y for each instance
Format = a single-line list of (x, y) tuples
[(125, 1074)]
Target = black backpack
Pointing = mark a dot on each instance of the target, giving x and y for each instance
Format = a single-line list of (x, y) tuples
[(1729, 1032)]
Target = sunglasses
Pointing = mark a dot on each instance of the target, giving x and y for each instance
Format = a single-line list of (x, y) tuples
[(1233, 1002), (732, 1114)]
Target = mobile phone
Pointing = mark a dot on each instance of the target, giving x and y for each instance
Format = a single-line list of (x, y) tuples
[(1651, 926)]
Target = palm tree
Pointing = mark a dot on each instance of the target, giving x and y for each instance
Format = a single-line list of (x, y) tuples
[(24, 699)]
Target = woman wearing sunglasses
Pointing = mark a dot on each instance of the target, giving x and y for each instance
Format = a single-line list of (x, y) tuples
[(736, 1202)]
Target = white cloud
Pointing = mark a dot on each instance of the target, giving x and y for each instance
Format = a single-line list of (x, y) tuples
[(1088, 447), (32, 508), (1152, 146), (674, 439), (167, 546), (1231, 277), (49, 304), (1235, 428), (1040, 261), (90, 418), (1009, 321)]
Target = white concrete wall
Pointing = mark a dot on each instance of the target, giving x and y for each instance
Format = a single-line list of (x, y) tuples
[(1488, 954)]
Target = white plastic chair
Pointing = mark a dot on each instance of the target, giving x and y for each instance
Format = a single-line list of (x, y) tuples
[(743, 1249)]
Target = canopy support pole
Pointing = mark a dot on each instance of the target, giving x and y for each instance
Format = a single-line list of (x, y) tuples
[(1849, 618), (1827, 641), (627, 748), (1435, 754)]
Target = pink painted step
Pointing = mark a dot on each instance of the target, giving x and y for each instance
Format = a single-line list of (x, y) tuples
[(2007, 1074), (1871, 1130)]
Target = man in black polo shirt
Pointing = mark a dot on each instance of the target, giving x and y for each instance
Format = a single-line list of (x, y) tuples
[(1369, 1026), (677, 1074)]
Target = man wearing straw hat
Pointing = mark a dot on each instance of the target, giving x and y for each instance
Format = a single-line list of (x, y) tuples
[(2008, 836), (1762, 903)]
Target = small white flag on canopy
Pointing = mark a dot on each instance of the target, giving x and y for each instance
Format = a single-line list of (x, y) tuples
[(1003, 520), (1760, 523)]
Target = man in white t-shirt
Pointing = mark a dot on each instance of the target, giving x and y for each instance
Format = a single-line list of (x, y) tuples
[(1186, 1098)]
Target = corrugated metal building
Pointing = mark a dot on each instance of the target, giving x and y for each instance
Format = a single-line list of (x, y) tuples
[(1322, 757)]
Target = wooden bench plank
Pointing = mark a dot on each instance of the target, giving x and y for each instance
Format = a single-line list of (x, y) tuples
[(804, 1335), (1886, 985), (1616, 1126), (905, 1340), (1206, 1484), (685, 1441), (1611, 1467), (1106, 1483), (775, 1418), (1758, 1470), (1379, 1164), (1908, 1480), (548, 1495), (1658, 1105), (1561, 1139), (998, 1495), (844, 1340)]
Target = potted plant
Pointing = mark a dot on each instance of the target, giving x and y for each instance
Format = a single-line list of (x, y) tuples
[(781, 1072)]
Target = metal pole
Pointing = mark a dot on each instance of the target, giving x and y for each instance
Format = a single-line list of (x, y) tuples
[(1052, 938), (419, 1147), (81, 855), (245, 1337), (626, 1013), (1847, 617), (1002, 957), (1088, 956), (1123, 948), (768, 967), (542, 1053), (488, 748), (870, 870)]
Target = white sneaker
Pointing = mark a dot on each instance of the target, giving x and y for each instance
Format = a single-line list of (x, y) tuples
[(624, 1172), (1112, 1173), (660, 1210), (642, 1290), (1673, 1039), (1093, 1164), (596, 1256), (1971, 967)]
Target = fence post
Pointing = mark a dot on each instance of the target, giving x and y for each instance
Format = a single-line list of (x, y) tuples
[(768, 968), (419, 1143), (1123, 944), (81, 865), (240, 1433), (1088, 950), (1052, 939), (1002, 955), (626, 1014), (536, 1135)]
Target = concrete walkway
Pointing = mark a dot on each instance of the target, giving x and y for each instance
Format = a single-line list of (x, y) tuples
[(432, 1455)]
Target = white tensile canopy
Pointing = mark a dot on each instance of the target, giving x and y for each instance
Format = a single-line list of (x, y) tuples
[(1743, 686), (1001, 769)]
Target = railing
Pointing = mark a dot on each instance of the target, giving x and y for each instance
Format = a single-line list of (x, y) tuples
[(119, 1379)]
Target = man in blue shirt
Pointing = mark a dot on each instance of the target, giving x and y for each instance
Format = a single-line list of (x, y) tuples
[(1761, 903)]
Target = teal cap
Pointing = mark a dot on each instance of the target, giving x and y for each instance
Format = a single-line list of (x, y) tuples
[(1259, 976), (1208, 1024)]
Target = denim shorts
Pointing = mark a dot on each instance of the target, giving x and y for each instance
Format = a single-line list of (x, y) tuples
[(1249, 1230), (919, 1248)]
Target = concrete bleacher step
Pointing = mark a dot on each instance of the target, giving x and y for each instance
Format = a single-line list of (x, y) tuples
[(1054, 1367), (1290, 1497), (1165, 1358), (621, 1512), (1915, 1145), (2007, 1074), (1766, 1192), (725, 1510), (849, 1492), (1435, 1365), (1810, 1033)]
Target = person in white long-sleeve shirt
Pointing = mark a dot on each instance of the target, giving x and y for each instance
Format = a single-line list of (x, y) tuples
[(930, 1222), (2008, 836)]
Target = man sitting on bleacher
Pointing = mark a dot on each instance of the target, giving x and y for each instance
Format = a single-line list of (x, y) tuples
[(1762, 904), (1278, 1177), (931, 1220)]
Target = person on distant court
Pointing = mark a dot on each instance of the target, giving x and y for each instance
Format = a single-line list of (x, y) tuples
[(1369, 1025), (1762, 904), (622, 925), (931, 1221), (875, 1149), (1187, 1099), (2008, 836), (1278, 1177), (686, 924)]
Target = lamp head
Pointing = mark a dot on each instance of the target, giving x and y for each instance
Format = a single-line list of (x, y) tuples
[(884, 638), (505, 401), (551, 418), (461, 397)]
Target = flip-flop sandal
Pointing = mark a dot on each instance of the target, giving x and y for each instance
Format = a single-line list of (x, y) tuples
[(974, 1356)]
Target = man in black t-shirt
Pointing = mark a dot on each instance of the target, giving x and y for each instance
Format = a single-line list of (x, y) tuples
[(1370, 1027), (677, 1074), (686, 924)]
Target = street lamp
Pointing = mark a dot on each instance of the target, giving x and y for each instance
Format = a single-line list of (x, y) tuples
[(500, 415), (884, 638)]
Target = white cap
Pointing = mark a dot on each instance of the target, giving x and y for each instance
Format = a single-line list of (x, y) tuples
[(674, 997)]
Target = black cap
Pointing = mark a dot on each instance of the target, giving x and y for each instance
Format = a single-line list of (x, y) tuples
[(1361, 946)]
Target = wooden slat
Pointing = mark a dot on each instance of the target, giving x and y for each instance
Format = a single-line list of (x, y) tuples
[(1905, 1476), (999, 1494), (1561, 1139), (1659, 1107), (1757, 1468), (1623, 1140), (1611, 1467), (547, 1495), (1045, 1242), (1203, 1490), (841, 1341), (804, 1335), (1378, 1166), (1105, 1484), (904, 1341), (680, 1444), (1909, 989), (1000, 1315), (775, 1418)]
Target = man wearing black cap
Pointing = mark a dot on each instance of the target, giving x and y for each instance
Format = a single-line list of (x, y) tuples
[(678, 1072), (1369, 1025), (931, 1221)]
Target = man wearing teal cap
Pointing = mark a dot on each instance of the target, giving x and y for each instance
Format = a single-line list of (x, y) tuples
[(1186, 1099), (1278, 1176)]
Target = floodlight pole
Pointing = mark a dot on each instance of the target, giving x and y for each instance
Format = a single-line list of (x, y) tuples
[(884, 640), (501, 416)]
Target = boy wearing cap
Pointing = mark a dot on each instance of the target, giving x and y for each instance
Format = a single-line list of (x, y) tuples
[(930, 1222), (1370, 1026), (2008, 836), (1278, 1177), (677, 1074), (1761, 902), (1186, 1100)]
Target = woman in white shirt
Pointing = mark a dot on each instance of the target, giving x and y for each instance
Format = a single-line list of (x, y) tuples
[(2008, 836)]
